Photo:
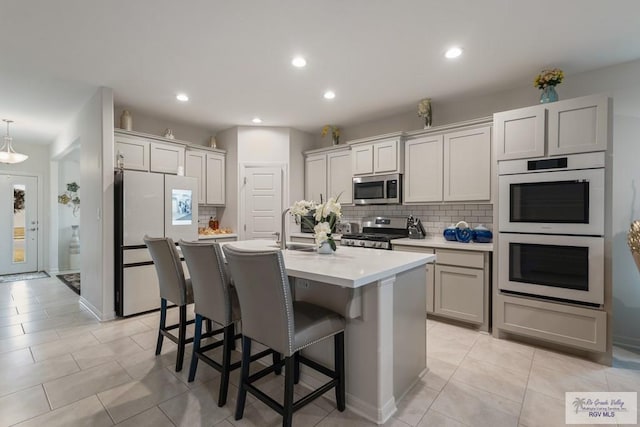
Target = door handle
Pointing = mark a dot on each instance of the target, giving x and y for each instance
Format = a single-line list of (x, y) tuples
[(33, 229)]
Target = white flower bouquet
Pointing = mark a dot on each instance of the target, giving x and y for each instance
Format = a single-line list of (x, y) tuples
[(325, 215)]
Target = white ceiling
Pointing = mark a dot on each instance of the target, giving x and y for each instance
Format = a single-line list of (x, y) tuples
[(233, 57)]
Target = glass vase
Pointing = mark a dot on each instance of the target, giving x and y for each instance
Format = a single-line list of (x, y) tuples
[(325, 248), (548, 94)]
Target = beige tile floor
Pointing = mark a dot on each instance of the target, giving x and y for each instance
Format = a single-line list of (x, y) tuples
[(61, 367)]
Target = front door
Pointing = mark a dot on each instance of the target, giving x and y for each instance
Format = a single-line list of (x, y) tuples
[(18, 224), (262, 202)]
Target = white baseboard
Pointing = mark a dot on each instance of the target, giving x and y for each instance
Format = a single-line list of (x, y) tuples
[(627, 342), (97, 313), (370, 412)]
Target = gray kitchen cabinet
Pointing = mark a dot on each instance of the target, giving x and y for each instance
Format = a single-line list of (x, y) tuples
[(166, 158), (380, 155), (572, 126), (327, 172), (423, 169), (216, 182), (134, 152), (467, 165), (195, 165)]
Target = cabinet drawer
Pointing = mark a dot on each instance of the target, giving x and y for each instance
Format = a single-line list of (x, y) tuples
[(573, 326), (412, 249), (460, 258)]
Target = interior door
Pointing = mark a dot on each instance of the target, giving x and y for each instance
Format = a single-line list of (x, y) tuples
[(262, 202), (18, 224)]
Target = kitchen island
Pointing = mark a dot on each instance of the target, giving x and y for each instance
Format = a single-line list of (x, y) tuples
[(382, 296)]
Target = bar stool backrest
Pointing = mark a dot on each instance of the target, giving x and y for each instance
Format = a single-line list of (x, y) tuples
[(211, 289), (166, 259), (265, 297)]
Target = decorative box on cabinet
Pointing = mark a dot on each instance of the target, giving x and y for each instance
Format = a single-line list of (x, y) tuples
[(573, 126), (327, 172), (166, 158), (383, 155), (134, 152)]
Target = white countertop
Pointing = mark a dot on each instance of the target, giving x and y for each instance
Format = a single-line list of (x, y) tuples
[(440, 242), (347, 267), (216, 236), (310, 235)]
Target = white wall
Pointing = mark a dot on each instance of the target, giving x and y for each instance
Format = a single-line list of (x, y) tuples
[(36, 165), (92, 129), (147, 123), (620, 82)]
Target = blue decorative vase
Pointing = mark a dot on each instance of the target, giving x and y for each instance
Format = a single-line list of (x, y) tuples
[(450, 233), (548, 94), (482, 234), (463, 232)]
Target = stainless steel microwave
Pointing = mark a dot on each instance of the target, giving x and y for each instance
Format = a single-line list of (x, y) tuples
[(377, 190)]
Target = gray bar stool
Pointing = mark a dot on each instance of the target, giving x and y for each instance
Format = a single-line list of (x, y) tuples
[(173, 288), (272, 318), (215, 300)]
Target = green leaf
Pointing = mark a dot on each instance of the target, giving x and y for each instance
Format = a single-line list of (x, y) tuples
[(332, 244)]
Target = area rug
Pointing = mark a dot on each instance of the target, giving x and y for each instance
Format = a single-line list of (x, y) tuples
[(23, 276), (72, 280)]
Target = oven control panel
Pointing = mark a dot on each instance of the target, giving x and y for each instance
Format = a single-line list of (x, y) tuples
[(365, 244)]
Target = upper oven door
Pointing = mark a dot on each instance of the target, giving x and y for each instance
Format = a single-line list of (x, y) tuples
[(561, 202), (562, 267)]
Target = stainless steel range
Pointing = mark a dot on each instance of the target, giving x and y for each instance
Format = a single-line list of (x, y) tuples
[(377, 232)]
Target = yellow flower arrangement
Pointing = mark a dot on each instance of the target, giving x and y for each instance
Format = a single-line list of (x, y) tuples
[(335, 131), (548, 78)]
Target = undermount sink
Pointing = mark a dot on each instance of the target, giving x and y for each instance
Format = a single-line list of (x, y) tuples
[(305, 247)]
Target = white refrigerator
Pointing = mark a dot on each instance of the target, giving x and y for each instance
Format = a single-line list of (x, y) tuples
[(156, 205)]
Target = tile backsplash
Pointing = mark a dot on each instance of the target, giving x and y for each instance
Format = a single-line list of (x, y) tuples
[(435, 218), (204, 213)]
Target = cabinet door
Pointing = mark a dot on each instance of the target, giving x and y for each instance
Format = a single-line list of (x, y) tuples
[(423, 170), (520, 134), (215, 179), (339, 176), (315, 178), (385, 157), (166, 158), (195, 165), (362, 159), (134, 151), (467, 165), (459, 293), (578, 125)]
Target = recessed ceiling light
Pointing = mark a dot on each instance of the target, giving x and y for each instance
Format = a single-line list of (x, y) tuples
[(257, 120), (453, 52), (299, 62), (182, 97), (329, 94)]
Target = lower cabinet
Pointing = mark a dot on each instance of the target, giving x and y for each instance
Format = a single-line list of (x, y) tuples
[(458, 284)]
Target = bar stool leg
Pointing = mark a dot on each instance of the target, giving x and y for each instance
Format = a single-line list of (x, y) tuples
[(209, 326), (233, 335), (163, 324), (197, 336), (338, 340), (289, 366), (244, 377), (182, 332), (277, 358), (226, 363), (296, 367)]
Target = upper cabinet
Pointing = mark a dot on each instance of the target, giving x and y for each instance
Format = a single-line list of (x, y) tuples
[(195, 165), (450, 166), (134, 152), (423, 169), (327, 173), (380, 157), (576, 125), (166, 158), (467, 165), (216, 179)]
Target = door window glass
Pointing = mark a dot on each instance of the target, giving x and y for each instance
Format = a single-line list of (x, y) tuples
[(19, 223)]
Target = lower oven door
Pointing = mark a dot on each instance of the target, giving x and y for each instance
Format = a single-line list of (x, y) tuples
[(567, 268)]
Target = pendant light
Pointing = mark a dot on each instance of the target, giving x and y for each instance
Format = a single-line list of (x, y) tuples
[(7, 153)]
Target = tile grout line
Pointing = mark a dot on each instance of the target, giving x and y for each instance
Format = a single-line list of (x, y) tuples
[(526, 387)]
